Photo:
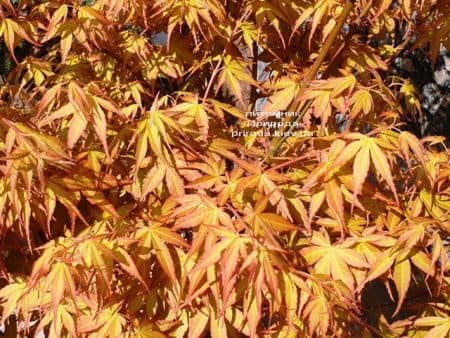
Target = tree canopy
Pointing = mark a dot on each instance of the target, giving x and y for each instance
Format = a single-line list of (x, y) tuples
[(221, 168)]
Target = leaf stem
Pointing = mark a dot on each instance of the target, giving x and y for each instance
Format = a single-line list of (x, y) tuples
[(211, 80)]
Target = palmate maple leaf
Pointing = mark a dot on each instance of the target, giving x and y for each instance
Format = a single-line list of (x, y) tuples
[(234, 74), (198, 209), (441, 326), (83, 107), (157, 239), (364, 151), (212, 174), (13, 32), (334, 260), (266, 222), (322, 92), (196, 14), (191, 111), (285, 90)]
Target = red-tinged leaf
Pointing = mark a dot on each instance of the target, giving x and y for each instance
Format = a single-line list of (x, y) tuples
[(253, 314), (164, 257), (59, 16), (440, 331), (382, 166), (99, 199), (261, 204), (290, 293), (100, 125), (67, 199), (169, 236), (78, 98), (57, 281), (229, 263), (276, 222), (48, 99), (270, 275), (213, 255), (108, 106), (66, 42), (335, 201), (415, 233), (338, 268), (67, 321), (127, 263), (250, 167), (77, 126), (10, 294), (174, 183), (409, 141), (9, 35), (382, 7), (234, 71), (313, 253), (340, 84), (300, 209), (322, 106), (197, 324), (92, 13), (64, 111), (248, 182), (321, 8), (361, 101), (360, 169), (382, 264), (10, 29), (430, 321), (347, 154), (315, 175), (402, 278), (217, 324), (421, 260), (316, 202), (223, 147), (351, 257), (141, 149), (87, 323), (317, 312), (236, 318), (286, 89), (439, 251), (50, 204), (154, 138)]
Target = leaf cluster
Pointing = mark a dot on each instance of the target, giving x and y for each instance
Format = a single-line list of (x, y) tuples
[(127, 209)]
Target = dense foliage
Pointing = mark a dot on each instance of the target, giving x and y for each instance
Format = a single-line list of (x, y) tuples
[(128, 209)]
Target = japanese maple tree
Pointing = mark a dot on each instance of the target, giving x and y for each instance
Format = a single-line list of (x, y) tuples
[(131, 206)]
